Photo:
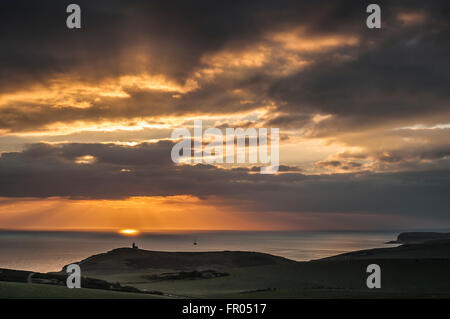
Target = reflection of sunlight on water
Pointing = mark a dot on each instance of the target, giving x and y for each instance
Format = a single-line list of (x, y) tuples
[(49, 251)]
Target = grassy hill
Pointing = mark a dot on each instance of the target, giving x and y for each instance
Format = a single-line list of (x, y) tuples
[(407, 271), (14, 290), (433, 249), (124, 259)]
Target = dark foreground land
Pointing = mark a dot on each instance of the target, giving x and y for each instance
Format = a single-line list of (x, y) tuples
[(413, 270)]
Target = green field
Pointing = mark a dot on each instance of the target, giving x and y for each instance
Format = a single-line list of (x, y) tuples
[(271, 277), (33, 291), (409, 271), (331, 279)]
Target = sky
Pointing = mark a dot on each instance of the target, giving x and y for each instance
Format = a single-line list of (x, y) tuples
[(86, 115)]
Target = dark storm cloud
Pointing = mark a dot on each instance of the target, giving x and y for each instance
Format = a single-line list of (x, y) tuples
[(36, 41), (392, 82), (398, 72), (146, 170), (290, 121)]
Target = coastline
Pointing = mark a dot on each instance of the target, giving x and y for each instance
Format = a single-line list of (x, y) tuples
[(409, 270)]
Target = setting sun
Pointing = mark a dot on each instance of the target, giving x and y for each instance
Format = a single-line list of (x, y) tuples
[(129, 232)]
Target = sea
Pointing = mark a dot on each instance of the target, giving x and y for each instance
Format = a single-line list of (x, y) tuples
[(46, 251)]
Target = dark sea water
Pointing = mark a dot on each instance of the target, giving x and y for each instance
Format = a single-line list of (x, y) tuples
[(49, 251)]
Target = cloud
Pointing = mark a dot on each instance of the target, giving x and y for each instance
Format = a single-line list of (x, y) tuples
[(120, 172), (339, 165), (373, 105), (152, 59)]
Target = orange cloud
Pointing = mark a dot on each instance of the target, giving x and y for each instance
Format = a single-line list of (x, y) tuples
[(298, 40), (67, 91), (410, 18), (140, 213)]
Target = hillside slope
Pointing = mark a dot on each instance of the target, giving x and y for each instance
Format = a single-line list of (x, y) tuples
[(123, 259)]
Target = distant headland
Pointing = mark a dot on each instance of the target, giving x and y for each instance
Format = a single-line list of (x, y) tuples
[(419, 237)]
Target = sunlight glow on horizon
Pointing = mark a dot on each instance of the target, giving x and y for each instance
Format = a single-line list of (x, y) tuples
[(129, 232)]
